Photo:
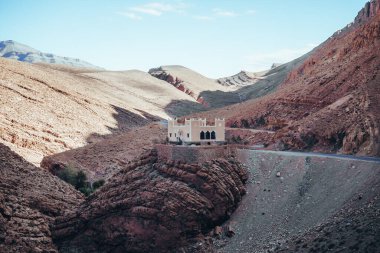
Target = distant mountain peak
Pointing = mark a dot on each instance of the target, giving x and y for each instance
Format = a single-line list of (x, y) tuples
[(14, 50)]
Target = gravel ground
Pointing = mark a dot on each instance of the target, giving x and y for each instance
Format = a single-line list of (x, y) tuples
[(293, 196)]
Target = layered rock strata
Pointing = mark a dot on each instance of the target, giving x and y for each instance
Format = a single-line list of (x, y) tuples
[(152, 206), (30, 199)]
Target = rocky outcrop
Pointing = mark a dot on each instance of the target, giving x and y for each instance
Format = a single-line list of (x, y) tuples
[(30, 199), (206, 91), (370, 10), (152, 206), (162, 74), (243, 78)]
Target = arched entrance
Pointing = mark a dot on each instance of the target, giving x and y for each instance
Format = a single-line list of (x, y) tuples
[(202, 136)]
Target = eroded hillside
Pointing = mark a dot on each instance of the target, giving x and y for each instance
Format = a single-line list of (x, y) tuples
[(331, 102)]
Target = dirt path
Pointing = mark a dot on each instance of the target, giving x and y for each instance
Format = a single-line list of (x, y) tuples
[(251, 130)]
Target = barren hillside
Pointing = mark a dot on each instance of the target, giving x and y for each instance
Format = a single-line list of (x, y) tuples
[(305, 202), (45, 110), (228, 90)]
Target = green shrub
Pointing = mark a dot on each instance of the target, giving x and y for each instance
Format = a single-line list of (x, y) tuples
[(98, 184), (68, 175), (78, 179)]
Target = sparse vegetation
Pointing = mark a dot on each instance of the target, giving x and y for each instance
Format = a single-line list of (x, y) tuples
[(244, 123), (78, 179), (260, 121)]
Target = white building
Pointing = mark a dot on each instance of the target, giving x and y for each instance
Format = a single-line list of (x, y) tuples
[(196, 131)]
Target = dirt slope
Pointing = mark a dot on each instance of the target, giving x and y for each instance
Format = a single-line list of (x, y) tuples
[(331, 102), (290, 194), (45, 110), (102, 159)]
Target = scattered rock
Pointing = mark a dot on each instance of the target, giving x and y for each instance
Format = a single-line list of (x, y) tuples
[(229, 231), (218, 230)]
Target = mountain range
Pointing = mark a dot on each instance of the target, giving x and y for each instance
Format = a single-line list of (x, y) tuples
[(13, 50)]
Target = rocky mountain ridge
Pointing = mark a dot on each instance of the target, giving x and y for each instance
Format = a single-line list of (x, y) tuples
[(13, 50), (370, 10)]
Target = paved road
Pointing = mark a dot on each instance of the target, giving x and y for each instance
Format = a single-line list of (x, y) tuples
[(351, 157), (251, 130)]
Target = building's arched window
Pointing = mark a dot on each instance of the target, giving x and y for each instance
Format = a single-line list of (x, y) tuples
[(202, 135), (208, 136), (213, 136)]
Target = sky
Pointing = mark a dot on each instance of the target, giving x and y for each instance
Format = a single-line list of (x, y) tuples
[(214, 37)]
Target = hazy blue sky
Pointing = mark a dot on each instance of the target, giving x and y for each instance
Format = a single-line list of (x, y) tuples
[(216, 38)]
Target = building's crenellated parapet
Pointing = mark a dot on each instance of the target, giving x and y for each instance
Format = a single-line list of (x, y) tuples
[(196, 131)]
